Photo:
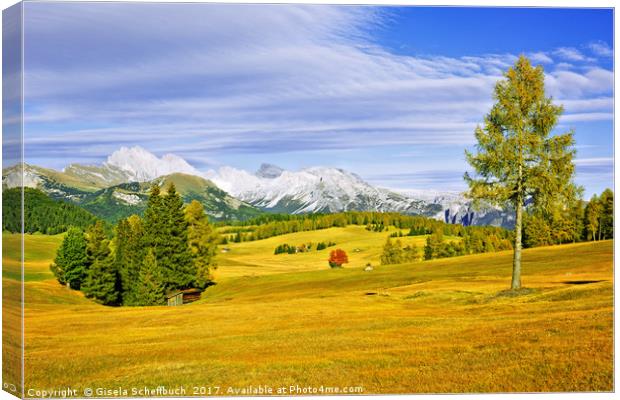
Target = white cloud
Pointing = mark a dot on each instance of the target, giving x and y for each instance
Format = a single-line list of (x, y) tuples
[(540, 57), (601, 49), (570, 84), (280, 79), (569, 53), (594, 161), (564, 66), (583, 117)]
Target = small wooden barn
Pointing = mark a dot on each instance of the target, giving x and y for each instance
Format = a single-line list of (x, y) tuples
[(180, 297)]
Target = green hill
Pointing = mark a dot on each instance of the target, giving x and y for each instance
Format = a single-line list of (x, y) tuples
[(41, 213), (112, 203), (123, 200)]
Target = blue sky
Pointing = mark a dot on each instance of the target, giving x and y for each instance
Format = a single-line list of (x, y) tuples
[(391, 93)]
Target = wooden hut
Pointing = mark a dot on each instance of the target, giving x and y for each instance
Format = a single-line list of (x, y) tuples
[(180, 297)]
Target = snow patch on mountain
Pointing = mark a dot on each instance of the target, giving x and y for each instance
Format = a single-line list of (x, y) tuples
[(315, 189), (141, 165), (13, 177), (127, 198), (271, 188)]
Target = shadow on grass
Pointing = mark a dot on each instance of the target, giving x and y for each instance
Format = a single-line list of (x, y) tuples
[(581, 282), (516, 292)]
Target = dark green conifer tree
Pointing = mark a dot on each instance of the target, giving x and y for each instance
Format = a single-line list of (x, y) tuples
[(154, 221), (101, 282), (71, 263), (121, 240), (98, 245), (202, 240), (150, 288), (129, 255), (166, 233)]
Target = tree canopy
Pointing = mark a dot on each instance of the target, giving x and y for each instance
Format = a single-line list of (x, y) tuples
[(517, 158)]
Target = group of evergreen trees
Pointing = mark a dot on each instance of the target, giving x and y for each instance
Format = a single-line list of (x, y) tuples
[(323, 245), (271, 225), (414, 231), (285, 249), (41, 214), (579, 221), (376, 227), (171, 248), (471, 242), (395, 253), (303, 248)]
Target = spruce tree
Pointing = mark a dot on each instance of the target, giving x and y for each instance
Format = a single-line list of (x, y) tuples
[(97, 247), (175, 258), (517, 158), (101, 282), (121, 240), (150, 288), (154, 221), (133, 258), (202, 240), (129, 255), (165, 233), (71, 262)]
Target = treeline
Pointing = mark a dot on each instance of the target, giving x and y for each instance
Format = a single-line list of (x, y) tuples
[(412, 232), (171, 248), (41, 214), (471, 242), (581, 221), (598, 220), (267, 226), (303, 248)]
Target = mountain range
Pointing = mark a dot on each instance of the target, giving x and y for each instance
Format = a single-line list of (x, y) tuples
[(119, 187)]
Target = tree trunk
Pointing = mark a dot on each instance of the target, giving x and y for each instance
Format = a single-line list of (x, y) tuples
[(516, 264)]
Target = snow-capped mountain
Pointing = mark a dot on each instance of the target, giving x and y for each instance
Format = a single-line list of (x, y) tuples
[(457, 209), (271, 188), (130, 164), (112, 202), (323, 189), (140, 165), (315, 189)]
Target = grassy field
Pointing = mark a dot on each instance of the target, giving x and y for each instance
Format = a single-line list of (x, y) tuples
[(280, 320), (257, 258)]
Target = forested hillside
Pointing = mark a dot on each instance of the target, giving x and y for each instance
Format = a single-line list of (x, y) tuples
[(41, 214)]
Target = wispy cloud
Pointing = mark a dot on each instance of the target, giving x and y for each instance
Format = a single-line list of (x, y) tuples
[(601, 49), (569, 53), (595, 161), (216, 81), (540, 57)]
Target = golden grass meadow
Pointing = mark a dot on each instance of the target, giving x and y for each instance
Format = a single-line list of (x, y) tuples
[(441, 326)]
